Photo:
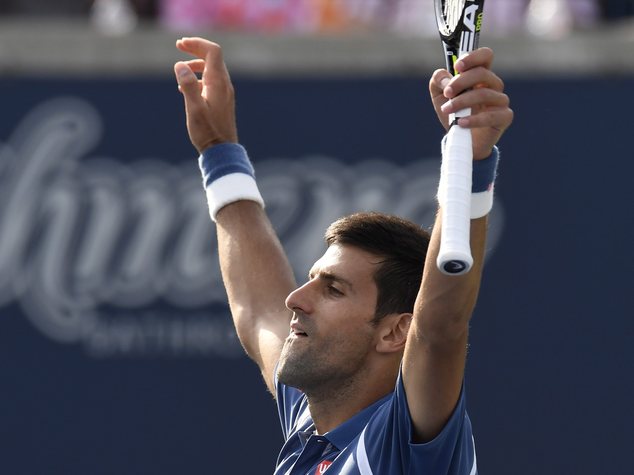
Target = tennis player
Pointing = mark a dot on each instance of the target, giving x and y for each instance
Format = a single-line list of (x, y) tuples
[(366, 359)]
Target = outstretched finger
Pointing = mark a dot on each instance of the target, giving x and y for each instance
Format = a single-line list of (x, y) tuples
[(215, 73), (196, 46)]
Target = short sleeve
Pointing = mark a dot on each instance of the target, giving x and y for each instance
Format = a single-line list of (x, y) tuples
[(389, 446)]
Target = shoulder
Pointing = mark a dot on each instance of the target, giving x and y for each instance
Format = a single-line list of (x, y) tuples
[(387, 441)]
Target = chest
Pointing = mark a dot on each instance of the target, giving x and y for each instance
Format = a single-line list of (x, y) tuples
[(317, 456)]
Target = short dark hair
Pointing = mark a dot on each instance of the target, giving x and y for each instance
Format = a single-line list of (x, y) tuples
[(400, 243)]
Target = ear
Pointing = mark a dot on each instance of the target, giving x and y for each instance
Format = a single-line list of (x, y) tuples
[(392, 333)]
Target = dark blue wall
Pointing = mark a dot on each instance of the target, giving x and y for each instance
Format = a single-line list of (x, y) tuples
[(113, 365)]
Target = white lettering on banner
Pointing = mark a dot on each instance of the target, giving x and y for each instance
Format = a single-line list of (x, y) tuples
[(121, 257)]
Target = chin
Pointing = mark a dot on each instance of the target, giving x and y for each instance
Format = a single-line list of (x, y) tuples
[(292, 371)]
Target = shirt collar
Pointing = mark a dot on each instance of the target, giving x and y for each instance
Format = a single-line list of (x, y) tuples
[(342, 435)]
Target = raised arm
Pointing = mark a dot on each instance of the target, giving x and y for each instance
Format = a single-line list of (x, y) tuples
[(435, 353), (255, 270)]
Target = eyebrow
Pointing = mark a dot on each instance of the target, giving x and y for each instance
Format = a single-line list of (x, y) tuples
[(330, 277)]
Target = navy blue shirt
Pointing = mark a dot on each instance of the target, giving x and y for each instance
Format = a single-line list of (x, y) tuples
[(376, 441)]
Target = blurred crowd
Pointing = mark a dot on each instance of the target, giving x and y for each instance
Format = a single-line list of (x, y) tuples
[(408, 17)]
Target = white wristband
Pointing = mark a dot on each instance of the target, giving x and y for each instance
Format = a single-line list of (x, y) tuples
[(228, 176), (481, 203)]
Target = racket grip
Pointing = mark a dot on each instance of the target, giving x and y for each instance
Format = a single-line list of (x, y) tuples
[(454, 196)]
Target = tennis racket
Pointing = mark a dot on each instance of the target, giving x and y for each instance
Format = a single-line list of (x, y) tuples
[(459, 23)]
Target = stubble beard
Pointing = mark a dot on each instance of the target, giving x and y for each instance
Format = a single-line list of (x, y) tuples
[(315, 372), (297, 368)]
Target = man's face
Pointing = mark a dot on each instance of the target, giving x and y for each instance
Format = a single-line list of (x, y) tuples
[(331, 333)]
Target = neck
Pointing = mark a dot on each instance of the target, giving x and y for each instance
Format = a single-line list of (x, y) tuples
[(332, 406)]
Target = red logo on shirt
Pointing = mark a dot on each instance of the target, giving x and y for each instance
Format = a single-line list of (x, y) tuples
[(322, 467)]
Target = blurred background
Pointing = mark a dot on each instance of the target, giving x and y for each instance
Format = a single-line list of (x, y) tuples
[(117, 353), (404, 17)]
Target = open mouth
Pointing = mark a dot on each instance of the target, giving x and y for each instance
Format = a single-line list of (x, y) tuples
[(298, 331)]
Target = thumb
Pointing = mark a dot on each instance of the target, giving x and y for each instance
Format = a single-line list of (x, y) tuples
[(437, 89), (438, 82), (187, 82)]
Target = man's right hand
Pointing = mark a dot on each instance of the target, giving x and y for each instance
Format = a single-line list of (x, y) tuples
[(209, 102), (255, 270)]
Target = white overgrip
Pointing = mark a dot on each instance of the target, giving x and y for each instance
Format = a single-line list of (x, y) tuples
[(454, 197)]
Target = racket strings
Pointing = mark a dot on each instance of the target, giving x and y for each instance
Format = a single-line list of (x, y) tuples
[(452, 13)]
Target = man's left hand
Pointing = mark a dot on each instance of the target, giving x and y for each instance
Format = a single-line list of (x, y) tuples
[(478, 87)]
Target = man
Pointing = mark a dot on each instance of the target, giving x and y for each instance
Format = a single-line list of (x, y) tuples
[(366, 359)]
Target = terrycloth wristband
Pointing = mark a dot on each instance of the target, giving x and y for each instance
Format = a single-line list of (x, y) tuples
[(482, 183), (228, 176)]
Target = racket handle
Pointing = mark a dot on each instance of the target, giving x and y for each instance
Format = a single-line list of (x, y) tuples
[(454, 196)]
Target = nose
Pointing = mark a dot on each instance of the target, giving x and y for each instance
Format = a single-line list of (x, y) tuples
[(299, 299)]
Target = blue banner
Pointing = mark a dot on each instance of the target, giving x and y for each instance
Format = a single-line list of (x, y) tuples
[(118, 354)]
